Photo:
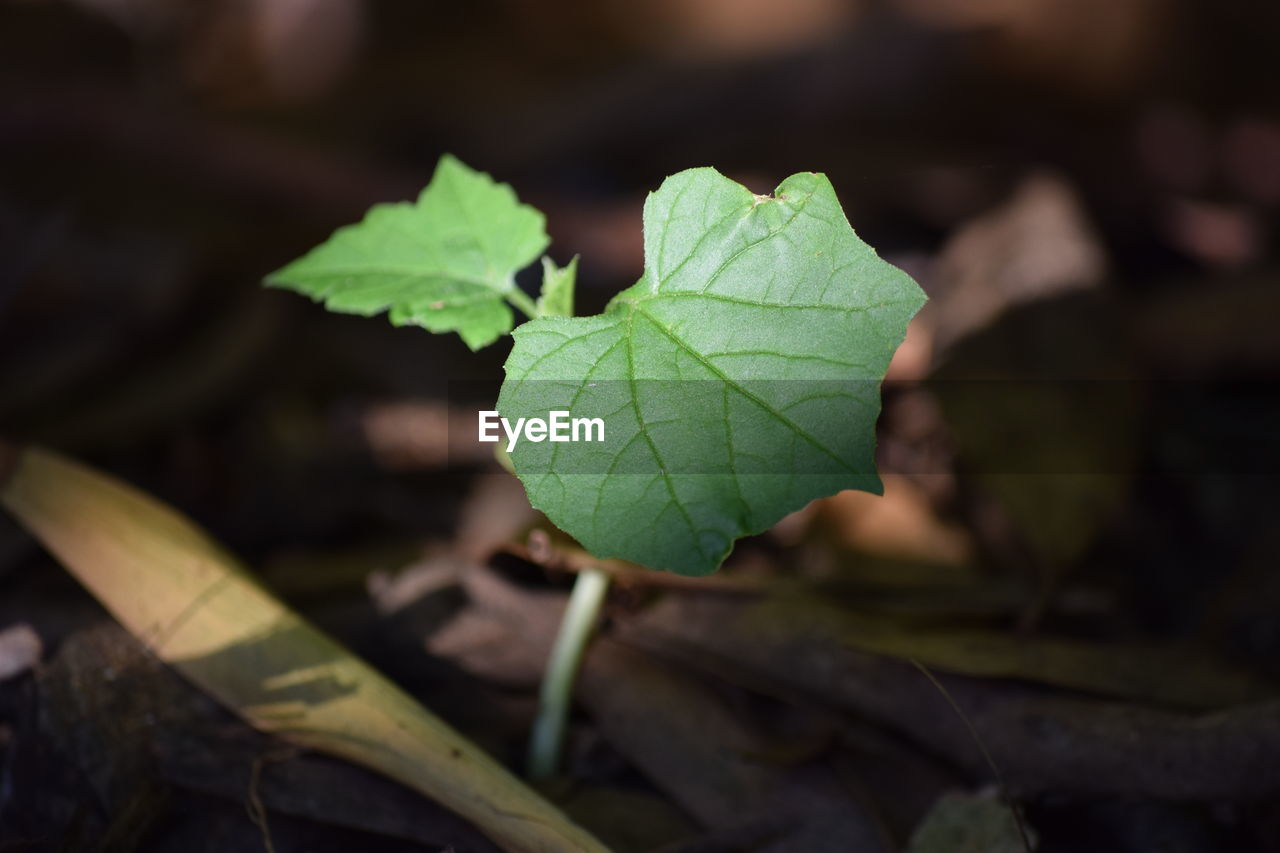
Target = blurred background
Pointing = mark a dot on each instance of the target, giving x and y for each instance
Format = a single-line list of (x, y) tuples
[(1079, 434)]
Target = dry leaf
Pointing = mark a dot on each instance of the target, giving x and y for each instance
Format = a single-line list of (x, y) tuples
[(1039, 244), (194, 606), (899, 524)]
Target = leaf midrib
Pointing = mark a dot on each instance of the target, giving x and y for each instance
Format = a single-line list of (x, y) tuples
[(637, 308), (657, 457)]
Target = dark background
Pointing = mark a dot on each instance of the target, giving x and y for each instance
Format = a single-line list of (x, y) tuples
[(1086, 188)]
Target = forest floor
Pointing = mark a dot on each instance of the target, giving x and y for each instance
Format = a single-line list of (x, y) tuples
[(1065, 602)]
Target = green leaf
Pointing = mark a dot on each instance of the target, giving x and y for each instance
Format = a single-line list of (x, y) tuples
[(737, 380), (968, 823), (556, 299), (446, 263)]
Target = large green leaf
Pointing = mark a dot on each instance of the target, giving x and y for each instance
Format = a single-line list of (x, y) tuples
[(447, 262), (737, 380)]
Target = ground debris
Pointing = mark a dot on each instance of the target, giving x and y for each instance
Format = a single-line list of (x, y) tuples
[(1044, 741), (145, 756)]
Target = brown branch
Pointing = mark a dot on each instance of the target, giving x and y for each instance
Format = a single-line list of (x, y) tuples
[(1045, 740), (559, 557)]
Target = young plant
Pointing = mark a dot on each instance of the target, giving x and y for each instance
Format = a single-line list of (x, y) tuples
[(736, 381)]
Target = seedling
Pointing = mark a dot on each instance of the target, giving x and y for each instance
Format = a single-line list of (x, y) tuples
[(736, 381)]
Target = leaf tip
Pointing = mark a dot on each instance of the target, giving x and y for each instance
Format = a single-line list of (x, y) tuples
[(273, 280), (450, 167), (284, 278)]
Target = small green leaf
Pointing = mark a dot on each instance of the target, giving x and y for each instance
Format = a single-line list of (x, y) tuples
[(969, 823), (446, 262), (556, 299), (736, 381)]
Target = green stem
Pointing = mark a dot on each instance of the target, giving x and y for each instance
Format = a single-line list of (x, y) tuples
[(557, 682), (546, 741), (521, 300)]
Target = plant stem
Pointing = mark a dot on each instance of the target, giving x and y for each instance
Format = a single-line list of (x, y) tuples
[(579, 619), (521, 300), (546, 741)]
